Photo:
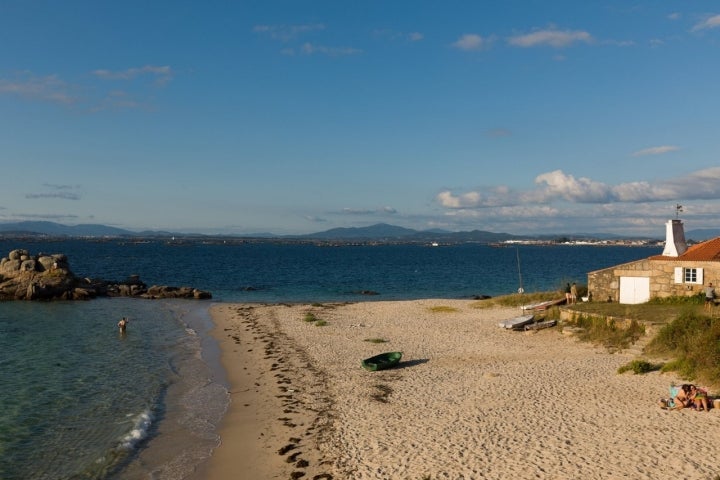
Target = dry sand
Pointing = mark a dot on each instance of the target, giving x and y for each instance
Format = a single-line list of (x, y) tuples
[(469, 400)]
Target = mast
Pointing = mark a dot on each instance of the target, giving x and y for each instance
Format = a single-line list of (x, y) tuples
[(517, 253)]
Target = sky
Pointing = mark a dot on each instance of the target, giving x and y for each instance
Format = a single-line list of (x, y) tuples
[(298, 116)]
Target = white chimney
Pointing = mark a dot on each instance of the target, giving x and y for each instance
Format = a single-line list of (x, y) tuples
[(674, 239)]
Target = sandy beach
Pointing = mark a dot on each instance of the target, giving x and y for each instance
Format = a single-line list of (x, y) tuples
[(468, 401)]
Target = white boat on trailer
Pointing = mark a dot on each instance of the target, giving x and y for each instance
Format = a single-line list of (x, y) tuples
[(517, 322), (542, 305)]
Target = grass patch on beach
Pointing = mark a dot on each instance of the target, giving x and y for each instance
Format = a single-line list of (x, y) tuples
[(517, 299), (312, 318), (376, 340), (638, 367), (660, 311), (608, 332), (693, 340), (443, 309)]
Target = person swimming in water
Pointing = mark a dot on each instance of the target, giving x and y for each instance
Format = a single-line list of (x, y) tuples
[(122, 324)]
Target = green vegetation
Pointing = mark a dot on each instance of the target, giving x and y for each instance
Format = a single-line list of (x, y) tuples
[(652, 313), (311, 317), (639, 367), (687, 336), (376, 340), (607, 332), (693, 341), (443, 309), (517, 299)]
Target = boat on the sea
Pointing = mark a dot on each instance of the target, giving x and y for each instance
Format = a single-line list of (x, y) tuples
[(517, 322), (382, 361)]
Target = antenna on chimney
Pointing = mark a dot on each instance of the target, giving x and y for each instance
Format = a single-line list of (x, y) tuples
[(678, 210)]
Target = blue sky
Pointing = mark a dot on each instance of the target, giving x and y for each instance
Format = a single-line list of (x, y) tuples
[(300, 116)]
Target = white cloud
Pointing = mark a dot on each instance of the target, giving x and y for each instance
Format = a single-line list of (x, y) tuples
[(48, 88), (551, 37), (655, 150), (708, 23), (311, 49), (557, 186), (287, 33), (470, 42), (162, 74), (368, 211)]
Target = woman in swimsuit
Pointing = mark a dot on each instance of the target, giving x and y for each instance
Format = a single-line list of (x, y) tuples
[(682, 399), (698, 398)]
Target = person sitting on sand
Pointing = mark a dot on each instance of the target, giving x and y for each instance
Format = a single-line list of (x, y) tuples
[(682, 398), (698, 398), (122, 324)]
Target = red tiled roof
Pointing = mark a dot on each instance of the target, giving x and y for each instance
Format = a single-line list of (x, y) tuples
[(708, 251)]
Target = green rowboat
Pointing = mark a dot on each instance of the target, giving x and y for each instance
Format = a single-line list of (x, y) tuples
[(382, 361)]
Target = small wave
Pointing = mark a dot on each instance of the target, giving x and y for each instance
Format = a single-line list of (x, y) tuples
[(141, 427), (190, 331)]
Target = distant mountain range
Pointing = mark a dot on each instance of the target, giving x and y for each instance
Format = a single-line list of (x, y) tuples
[(380, 232)]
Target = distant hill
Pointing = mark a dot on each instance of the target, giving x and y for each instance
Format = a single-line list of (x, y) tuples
[(385, 232), (381, 232), (378, 231), (701, 235), (57, 229)]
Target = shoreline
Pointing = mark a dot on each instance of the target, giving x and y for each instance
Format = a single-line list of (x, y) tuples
[(469, 400)]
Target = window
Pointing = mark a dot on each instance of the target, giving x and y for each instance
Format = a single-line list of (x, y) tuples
[(689, 275)]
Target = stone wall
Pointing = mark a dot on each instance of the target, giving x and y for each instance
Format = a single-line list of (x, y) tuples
[(605, 284)]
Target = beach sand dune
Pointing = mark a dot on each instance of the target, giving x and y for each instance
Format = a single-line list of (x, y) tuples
[(468, 401)]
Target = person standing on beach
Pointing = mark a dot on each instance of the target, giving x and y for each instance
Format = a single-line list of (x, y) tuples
[(122, 324), (709, 296), (573, 293), (568, 294)]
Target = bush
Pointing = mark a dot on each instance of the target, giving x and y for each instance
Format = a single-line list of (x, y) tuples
[(639, 367), (606, 332), (694, 341), (698, 299), (443, 309)]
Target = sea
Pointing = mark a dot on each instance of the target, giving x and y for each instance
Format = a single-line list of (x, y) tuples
[(78, 400)]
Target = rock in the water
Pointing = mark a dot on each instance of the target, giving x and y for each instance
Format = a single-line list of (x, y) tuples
[(48, 277)]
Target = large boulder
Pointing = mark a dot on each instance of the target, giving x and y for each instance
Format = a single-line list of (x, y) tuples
[(48, 277)]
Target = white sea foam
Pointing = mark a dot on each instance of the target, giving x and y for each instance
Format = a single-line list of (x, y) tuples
[(141, 426)]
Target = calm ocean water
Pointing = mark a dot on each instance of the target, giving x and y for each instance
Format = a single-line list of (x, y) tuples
[(79, 401)]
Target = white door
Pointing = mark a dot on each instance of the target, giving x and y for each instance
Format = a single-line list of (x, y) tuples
[(634, 289)]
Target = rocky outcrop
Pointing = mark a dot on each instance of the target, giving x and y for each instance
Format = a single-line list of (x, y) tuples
[(48, 277)]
